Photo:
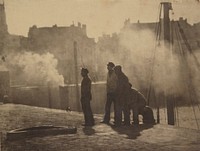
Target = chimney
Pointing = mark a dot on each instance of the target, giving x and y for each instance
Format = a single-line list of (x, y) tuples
[(84, 29), (79, 24)]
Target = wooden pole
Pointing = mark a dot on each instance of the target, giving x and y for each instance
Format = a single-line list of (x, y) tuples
[(0, 140), (76, 76), (49, 95), (170, 110), (166, 23), (157, 106)]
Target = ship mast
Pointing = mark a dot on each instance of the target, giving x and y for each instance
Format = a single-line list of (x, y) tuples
[(166, 25)]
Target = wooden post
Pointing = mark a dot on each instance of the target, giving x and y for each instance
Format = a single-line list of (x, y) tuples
[(166, 23), (170, 110), (157, 107), (49, 95), (0, 140), (76, 76)]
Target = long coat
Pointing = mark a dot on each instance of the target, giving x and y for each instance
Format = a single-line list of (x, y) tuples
[(123, 88), (86, 89)]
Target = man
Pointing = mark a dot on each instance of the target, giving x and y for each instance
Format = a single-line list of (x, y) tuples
[(122, 97), (137, 104), (111, 86), (86, 97)]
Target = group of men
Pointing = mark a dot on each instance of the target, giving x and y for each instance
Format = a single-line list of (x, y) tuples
[(120, 94)]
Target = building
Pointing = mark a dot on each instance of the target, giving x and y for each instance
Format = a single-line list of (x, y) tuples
[(180, 30), (3, 27), (8, 42), (60, 42)]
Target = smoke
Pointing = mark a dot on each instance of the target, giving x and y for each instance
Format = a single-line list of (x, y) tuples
[(138, 46), (193, 74), (146, 62), (167, 75), (34, 69)]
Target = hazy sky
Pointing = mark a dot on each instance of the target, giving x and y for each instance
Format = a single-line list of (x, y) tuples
[(100, 16)]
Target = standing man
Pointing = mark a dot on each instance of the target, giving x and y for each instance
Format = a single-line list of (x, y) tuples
[(122, 90), (86, 97), (111, 86)]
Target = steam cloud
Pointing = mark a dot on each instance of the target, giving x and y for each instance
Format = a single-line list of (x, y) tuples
[(135, 53), (139, 46), (34, 69), (171, 73), (162, 67)]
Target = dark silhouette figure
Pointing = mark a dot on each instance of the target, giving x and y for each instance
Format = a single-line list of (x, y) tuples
[(86, 97), (147, 114), (137, 103), (68, 109), (122, 97), (111, 86)]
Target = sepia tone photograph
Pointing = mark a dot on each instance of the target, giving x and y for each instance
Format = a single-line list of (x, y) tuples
[(99, 75)]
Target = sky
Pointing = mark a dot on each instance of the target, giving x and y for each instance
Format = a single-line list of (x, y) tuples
[(100, 16)]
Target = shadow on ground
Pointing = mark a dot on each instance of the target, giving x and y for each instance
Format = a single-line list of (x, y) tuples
[(132, 131)]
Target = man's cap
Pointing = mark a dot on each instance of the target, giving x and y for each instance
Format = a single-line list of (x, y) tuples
[(111, 64), (118, 68), (85, 70)]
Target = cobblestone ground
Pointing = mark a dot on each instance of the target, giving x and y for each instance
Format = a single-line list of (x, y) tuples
[(99, 137)]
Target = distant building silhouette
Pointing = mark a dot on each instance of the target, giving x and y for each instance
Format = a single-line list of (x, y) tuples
[(191, 32), (59, 41), (3, 24), (8, 42), (3, 27)]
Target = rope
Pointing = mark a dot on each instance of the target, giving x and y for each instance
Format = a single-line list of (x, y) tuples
[(177, 113), (182, 54), (176, 117), (195, 58), (157, 27), (176, 104), (189, 86), (182, 58), (188, 45)]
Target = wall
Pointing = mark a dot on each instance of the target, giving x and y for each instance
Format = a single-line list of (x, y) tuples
[(4, 84), (98, 97), (57, 97)]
